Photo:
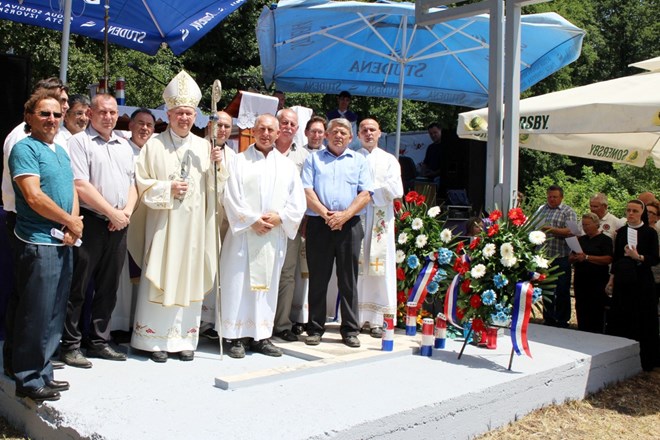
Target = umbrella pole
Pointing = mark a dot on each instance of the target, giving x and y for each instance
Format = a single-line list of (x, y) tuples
[(105, 46), (399, 107), (66, 33)]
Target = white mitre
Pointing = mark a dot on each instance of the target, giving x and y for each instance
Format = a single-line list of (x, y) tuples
[(182, 91)]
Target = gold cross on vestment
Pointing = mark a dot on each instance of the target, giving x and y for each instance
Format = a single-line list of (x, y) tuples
[(376, 264)]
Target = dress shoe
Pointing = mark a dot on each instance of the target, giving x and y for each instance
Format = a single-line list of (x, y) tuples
[(159, 356), (38, 394), (298, 328), (376, 332), (265, 347), (187, 355), (211, 334), (313, 340), (286, 335), (106, 352), (58, 385), (236, 349), (57, 365), (351, 341), (74, 358)]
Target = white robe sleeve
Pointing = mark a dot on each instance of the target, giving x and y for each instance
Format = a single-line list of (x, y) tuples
[(388, 187), (155, 194), (239, 214)]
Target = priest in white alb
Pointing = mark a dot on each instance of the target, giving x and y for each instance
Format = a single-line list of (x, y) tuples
[(176, 181), (377, 280), (264, 203)]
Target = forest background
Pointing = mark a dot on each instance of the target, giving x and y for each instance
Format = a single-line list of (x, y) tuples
[(618, 33)]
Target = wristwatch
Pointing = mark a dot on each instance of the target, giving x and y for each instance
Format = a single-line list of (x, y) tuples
[(586, 258)]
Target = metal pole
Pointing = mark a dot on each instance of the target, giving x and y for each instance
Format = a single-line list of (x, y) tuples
[(216, 92), (66, 32), (467, 338), (105, 46), (494, 167), (512, 100), (402, 65)]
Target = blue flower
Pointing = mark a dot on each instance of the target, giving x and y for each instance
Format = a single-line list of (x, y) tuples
[(432, 287), (413, 262), (440, 275), (500, 280), (499, 318), (536, 295), (444, 256), (488, 297), (499, 307)]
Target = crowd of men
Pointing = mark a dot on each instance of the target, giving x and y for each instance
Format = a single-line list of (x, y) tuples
[(240, 244)]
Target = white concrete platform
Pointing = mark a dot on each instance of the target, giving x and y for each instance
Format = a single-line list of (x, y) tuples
[(326, 392)]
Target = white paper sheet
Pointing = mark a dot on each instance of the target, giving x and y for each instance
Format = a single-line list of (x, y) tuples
[(574, 244)]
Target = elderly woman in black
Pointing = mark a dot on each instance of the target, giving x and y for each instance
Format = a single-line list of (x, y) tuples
[(632, 312), (591, 275)]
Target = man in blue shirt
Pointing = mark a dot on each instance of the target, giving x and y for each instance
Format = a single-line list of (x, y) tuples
[(338, 186), (45, 201)]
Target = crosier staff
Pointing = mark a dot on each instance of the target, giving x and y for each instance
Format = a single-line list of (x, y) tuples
[(216, 92)]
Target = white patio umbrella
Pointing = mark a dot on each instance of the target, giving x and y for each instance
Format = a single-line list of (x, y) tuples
[(615, 121)]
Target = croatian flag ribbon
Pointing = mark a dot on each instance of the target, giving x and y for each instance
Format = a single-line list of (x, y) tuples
[(451, 299), (418, 292), (522, 306)]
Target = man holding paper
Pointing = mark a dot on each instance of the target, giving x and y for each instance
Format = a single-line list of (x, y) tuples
[(45, 199), (556, 217)]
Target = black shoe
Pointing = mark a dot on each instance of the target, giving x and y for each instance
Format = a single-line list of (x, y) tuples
[(351, 341), (286, 335), (313, 340), (159, 356), (107, 353), (38, 394), (58, 385), (236, 349), (187, 355), (265, 347), (211, 334), (376, 332), (298, 328), (74, 358), (57, 365)]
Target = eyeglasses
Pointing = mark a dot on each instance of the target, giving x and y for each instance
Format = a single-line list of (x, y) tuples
[(56, 115)]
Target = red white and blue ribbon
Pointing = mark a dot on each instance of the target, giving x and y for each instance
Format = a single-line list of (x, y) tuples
[(451, 299), (522, 307), (419, 291)]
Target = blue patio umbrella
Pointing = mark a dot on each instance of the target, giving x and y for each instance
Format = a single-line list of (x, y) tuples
[(142, 25), (376, 49)]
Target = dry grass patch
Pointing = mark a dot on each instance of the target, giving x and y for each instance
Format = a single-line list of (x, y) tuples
[(628, 410)]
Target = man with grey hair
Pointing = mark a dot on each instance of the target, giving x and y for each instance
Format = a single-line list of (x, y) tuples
[(608, 222), (288, 120), (265, 203), (338, 186), (76, 117)]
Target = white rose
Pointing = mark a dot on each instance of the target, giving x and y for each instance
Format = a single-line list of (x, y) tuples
[(417, 224), (445, 235), (537, 237), (433, 211), (478, 271), (403, 238), (421, 240), (400, 256), (489, 250)]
